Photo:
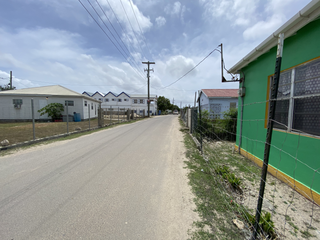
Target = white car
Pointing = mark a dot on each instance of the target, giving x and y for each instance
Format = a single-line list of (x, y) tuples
[(175, 112)]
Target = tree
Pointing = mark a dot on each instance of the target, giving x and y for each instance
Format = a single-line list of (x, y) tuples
[(175, 107), (163, 103), (6, 87), (53, 110)]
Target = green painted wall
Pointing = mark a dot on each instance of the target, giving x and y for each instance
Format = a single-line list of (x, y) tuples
[(295, 155)]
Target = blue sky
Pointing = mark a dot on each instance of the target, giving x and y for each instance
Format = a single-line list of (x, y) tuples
[(48, 42)]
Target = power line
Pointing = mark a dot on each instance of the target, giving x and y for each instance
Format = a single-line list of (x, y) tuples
[(134, 34), (140, 28), (191, 69), (109, 37), (108, 30), (117, 34)]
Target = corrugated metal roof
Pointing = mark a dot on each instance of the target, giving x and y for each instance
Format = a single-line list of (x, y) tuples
[(46, 91), (220, 92)]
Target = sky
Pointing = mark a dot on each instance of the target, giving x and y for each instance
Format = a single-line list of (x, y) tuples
[(99, 45)]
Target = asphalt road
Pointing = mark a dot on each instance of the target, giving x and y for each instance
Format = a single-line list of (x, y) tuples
[(126, 182)]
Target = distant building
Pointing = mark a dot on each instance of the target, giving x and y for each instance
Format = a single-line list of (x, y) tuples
[(138, 102), (217, 101), (15, 105)]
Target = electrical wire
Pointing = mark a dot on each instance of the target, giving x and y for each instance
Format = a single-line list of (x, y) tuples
[(191, 69), (140, 28), (128, 51), (132, 29), (109, 31), (109, 38)]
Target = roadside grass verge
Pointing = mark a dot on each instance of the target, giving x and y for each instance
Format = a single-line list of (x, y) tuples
[(66, 137), (212, 201), (226, 189), (23, 131)]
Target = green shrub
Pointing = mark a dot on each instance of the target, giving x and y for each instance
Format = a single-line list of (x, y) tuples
[(53, 110)]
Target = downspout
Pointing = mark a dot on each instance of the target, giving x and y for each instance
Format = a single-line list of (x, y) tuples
[(241, 116)]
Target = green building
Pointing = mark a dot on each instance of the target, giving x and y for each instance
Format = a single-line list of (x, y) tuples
[(295, 144)]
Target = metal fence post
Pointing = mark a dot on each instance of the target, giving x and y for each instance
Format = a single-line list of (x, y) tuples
[(67, 117), (33, 124), (274, 92), (89, 115), (118, 115), (199, 127)]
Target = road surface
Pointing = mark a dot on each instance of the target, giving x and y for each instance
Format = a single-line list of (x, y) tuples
[(127, 182)]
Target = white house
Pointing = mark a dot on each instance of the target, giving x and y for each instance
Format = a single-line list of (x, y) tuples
[(15, 105), (217, 101), (138, 102)]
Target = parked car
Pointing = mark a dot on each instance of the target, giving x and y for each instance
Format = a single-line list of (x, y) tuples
[(175, 112)]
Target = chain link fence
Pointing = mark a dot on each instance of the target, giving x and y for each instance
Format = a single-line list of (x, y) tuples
[(286, 213), (22, 130)]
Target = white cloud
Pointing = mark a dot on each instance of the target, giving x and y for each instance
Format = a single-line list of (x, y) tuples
[(274, 12), (238, 12), (177, 66), (173, 9), (63, 61), (161, 21), (262, 29)]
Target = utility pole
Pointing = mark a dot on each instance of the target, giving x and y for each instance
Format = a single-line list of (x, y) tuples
[(148, 75), (10, 80), (173, 101)]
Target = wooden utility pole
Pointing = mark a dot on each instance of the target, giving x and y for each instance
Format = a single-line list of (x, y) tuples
[(148, 75)]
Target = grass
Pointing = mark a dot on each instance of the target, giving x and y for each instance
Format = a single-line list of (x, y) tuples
[(216, 179), (23, 131), (54, 126), (212, 202)]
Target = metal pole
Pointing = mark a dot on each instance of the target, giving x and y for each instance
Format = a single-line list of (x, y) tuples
[(118, 115), (33, 123), (272, 101), (241, 123), (89, 115), (67, 117)]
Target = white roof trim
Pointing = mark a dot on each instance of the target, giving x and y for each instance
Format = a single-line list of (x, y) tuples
[(302, 18)]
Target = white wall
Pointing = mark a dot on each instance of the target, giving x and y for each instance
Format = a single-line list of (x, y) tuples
[(222, 104), (204, 102), (9, 112)]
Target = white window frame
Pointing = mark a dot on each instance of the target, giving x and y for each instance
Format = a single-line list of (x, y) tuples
[(292, 98)]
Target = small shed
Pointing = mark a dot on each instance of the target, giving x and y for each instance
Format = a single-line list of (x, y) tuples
[(15, 105)]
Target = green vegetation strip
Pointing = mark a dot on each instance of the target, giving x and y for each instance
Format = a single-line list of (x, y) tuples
[(216, 183)]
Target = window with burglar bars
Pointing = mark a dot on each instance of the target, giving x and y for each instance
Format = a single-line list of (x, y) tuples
[(298, 99)]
